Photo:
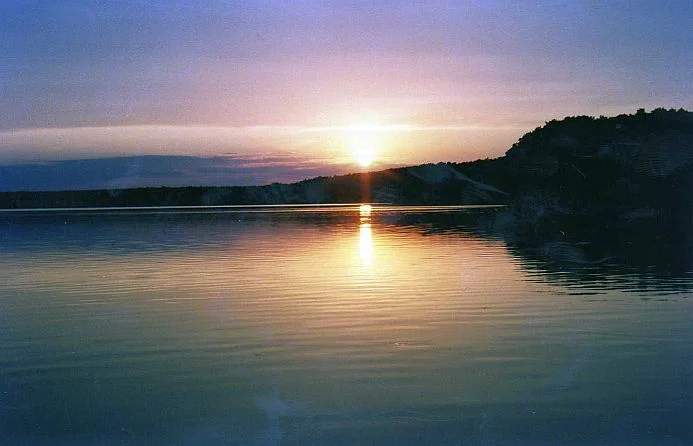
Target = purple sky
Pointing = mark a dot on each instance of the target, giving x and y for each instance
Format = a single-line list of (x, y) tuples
[(303, 80)]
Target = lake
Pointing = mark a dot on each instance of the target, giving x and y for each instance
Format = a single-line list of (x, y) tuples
[(333, 325)]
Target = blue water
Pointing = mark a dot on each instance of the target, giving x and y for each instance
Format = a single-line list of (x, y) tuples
[(330, 325)]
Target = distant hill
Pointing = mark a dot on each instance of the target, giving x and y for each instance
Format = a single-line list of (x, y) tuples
[(442, 183), (630, 166)]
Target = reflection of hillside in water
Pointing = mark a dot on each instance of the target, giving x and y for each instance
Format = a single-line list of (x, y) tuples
[(595, 256)]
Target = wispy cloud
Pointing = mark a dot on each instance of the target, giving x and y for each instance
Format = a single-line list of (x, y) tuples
[(158, 170), (326, 143)]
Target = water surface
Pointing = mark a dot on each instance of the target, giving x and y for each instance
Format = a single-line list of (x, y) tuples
[(329, 325)]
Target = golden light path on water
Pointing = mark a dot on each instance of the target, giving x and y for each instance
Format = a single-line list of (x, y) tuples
[(365, 235)]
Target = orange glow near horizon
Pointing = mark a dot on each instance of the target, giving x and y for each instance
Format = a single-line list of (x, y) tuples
[(289, 147)]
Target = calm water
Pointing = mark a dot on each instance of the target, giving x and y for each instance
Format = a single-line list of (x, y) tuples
[(330, 326)]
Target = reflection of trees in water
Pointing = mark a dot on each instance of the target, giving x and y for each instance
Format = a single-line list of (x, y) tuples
[(646, 255)]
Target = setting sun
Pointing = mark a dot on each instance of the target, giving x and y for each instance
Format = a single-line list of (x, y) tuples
[(364, 155), (363, 142)]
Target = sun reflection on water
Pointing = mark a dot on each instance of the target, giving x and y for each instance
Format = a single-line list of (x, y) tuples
[(366, 244), (365, 212), (365, 236)]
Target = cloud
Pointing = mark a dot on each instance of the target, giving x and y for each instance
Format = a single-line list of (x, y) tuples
[(157, 170), (327, 144)]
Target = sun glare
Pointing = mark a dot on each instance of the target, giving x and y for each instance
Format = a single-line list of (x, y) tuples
[(363, 142), (364, 155)]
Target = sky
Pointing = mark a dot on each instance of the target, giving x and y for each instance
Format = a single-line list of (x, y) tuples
[(283, 90)]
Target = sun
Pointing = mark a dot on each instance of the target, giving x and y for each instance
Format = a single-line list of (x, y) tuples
[(364, 155), (362, 143)]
